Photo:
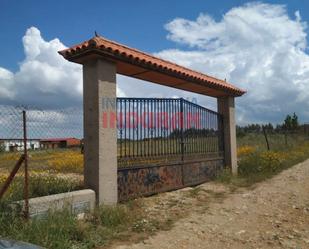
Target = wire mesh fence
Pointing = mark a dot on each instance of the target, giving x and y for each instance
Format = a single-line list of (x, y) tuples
[(267, 137), (53, 143)]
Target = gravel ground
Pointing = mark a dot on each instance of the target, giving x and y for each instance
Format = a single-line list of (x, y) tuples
[(272, 214)]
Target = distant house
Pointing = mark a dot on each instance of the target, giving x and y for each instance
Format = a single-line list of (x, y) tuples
[(18, 144), (54, 143)]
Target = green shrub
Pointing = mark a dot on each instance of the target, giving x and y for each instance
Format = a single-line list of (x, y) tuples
[(58, 230)]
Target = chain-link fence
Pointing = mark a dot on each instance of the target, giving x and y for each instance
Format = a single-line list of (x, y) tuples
[(52, 141), (267, 137)]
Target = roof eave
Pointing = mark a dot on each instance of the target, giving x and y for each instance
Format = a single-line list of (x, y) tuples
[(90, 50)]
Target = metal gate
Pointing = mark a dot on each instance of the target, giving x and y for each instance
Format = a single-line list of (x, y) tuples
[(157, 130)]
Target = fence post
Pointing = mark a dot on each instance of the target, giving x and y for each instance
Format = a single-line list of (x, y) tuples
[(26, 186), (181, 130), (182, 140), (266, 138)]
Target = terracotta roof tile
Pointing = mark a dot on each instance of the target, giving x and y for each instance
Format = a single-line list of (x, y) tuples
[(120, 52)]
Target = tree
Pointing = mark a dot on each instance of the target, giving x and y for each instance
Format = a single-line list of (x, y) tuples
[(291, 122), (295, 121), (288, 122)]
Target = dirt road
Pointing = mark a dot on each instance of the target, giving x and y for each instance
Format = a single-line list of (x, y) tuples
[(273, 214)]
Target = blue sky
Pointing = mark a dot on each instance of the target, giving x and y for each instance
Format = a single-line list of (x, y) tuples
[(136, 23), (259, 46)]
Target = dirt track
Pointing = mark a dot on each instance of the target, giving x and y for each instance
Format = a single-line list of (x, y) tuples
[(273, 214)]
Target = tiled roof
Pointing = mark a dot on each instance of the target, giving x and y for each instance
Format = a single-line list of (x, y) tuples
[(58, 139), (124, 55)]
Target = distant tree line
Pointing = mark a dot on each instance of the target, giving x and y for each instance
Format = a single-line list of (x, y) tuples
[(290, 124), (192, 132)]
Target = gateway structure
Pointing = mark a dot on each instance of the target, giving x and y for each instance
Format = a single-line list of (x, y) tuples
[(102, 59)]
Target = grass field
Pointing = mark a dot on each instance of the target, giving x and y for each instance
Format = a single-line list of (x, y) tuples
[(256, 162), (57, 171)]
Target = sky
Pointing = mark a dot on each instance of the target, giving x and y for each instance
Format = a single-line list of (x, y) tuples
[(261, 47)]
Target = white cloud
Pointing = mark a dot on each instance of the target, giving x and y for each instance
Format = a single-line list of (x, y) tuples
[(6, 84), (44, 79), (256, 46)]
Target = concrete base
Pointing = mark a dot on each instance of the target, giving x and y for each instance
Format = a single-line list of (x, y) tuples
[(78, 201)]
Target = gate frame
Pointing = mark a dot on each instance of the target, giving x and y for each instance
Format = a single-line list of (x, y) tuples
[(102, 59)]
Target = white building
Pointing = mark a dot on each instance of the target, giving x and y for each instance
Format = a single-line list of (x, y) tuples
[(18, 144)]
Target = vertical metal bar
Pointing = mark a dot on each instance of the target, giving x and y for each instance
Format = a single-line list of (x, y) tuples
[(186, 146), (174, 125), (119, 121), (135, 116), (160, 126), (155, 106), (169, 116), (182, 129), (208, 131), (153, 128), (186, 132), (120, 126), (133, 130), (213, 135), (194, 146), (165, 128), (177, 108), (171, 142), (144, 124), (148, 127), (202, 131), (190, 129), (141, 127), (217, 133), (191, 126), (139, 123), (157, 127), (26, 187), (182, 141), (130, 129), (125, 127), (199, 129)]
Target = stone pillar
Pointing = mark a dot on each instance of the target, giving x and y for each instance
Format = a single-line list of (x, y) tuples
[(226, 107), (100, 143)]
